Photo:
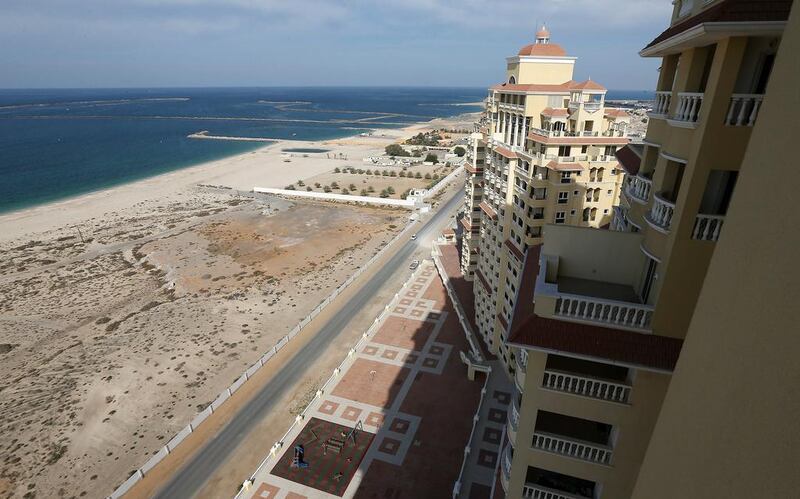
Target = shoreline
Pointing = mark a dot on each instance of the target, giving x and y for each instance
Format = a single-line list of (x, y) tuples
[(235, 172)]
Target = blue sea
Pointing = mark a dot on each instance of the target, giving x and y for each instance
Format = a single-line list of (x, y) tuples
[(56, 144)]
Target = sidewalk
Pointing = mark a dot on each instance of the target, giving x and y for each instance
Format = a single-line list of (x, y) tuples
[(406, 389)]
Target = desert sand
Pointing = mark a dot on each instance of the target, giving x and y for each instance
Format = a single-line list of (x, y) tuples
[(125, 311)]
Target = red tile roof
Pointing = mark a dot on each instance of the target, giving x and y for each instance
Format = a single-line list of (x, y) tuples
[(488, 210), (514, 250), (736, 11), (543, 49), (587, 85), (629, 160), (483, 281), (565, 167), (616, 113), (549, 111), (530, 271), (468, 225), (534, 87), (606, 344), (448, 232), (502, 151), (472, 169)]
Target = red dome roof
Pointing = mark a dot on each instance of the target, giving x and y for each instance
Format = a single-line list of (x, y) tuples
[(543, 49)]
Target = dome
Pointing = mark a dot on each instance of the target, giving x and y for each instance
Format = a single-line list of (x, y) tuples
[(543, 49)]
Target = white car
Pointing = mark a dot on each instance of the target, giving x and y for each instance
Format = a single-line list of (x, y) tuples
[(414, 265), (413, 237)]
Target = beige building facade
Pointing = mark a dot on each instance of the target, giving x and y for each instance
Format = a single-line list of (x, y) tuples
[(601, 317), (544, 153)]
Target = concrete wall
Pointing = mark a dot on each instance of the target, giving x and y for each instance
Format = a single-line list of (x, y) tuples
[(729, 425), (600, 255), (402, 203)]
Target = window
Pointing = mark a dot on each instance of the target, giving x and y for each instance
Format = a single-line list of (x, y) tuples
[(565, 177), (572, 213), (563, 151), (605, 212), (584, 149), (563, 197), (574, 193), (560, 217)]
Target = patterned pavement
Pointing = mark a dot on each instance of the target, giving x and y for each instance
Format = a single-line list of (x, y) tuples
[(406, 385)]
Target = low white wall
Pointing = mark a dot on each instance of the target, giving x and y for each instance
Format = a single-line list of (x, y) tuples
[(402, 203)]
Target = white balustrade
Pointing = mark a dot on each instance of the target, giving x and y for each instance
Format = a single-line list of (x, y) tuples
[(586, 451), (532, 491), (639, 188), (608, 312), (743, 109), (586, 386), (661, 212), (688, 108), (663, 100), (707, 227), (513, 415)]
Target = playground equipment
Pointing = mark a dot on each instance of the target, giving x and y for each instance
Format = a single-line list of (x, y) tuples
[(298, 460), (336, 445)]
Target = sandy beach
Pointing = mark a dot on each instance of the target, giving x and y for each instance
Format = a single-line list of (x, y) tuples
[(125, 311)]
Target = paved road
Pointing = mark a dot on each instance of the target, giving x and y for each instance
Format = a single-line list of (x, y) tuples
[(191, 478)]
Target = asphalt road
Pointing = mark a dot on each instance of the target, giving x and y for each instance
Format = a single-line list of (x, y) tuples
[(191, 478)]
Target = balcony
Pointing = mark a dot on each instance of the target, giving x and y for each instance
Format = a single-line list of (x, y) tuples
[(572, 437), (513, 419), (544, 484), (660, 215), (587, 379), (638, 188), (687, 112), (594, 287), (707, 227), (743, 109), (505, 467), (661, 107)]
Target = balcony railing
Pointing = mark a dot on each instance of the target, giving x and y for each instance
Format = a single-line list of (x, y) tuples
[(707, 227), (533, 491), (663, 100), (661, 212), (688, 109), (639, 188), (611, 312), (578, 449), (585, 386), (743, 109), (513, 414)]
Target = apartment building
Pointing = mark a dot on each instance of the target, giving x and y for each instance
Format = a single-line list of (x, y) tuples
[(543, 154), (602, 316)]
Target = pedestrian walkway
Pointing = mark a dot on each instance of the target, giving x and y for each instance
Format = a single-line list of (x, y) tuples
[(405, 392)]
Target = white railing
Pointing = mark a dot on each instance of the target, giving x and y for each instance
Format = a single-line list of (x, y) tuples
[(639, 188), (609, 312), (513, 414), (663, 100), (688, 108), (585, 386), (531, 491), (707, 227), (578, 449), (743, 109), (592, 106), (661, 212)]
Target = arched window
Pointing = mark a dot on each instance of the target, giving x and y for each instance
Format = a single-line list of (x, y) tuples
[(512, 80), (594, 214), (592, 174), (586, 212), (596, 195), (600, 172)]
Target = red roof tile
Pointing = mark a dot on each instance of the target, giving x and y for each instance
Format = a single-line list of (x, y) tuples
[(530, 271), (488, 210), (549, 111), (534, 87), (737, 11), (543, 49), (587, 85), (629, 160), (514, 250), (565, 167), (502, 151), (472, 169), (616, 113), (606, 344), (483, 281), (468, 226)]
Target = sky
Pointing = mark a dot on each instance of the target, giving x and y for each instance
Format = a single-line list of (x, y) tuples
[(180, 43)]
